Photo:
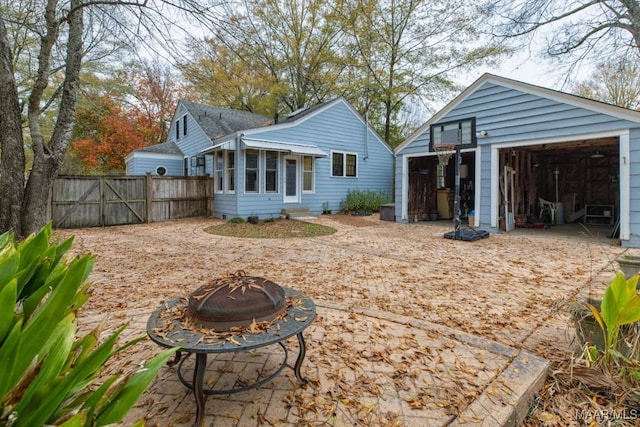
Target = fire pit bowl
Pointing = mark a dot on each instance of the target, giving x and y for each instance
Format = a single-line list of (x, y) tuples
[(236, 300)]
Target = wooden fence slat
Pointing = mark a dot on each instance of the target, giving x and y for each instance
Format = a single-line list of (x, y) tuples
[(123, 200), (77, 203), (160, 198)]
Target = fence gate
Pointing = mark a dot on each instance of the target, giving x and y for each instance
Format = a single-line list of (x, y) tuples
[(96, 201), (90, 201)]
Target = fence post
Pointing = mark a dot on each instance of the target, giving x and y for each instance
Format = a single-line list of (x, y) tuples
[(149, 196)]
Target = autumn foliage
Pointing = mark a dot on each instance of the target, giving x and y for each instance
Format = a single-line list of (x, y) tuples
[(114, 121), (113, 135)]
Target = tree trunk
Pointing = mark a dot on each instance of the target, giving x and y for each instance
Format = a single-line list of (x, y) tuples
[(47, 159), (12, 159)]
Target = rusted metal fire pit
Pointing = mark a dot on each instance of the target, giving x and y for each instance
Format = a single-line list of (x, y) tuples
[(236, 300), (231, 314)]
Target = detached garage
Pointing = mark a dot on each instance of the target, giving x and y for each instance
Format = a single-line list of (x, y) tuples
[(529, 156)]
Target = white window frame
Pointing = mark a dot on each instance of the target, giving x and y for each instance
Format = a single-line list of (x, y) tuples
[(277, 171), (344, 164), (257, 170), (218, 173), (198, 165), (229, 172), (312, 172)]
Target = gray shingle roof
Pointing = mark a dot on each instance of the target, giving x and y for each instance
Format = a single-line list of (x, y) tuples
[(298, 114), (217, 122), (164, 148)]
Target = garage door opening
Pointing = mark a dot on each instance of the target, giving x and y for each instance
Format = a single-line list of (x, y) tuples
[(432, 189), (564, 183)]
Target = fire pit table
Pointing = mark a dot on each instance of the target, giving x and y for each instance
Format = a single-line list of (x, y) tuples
[(171, 330)]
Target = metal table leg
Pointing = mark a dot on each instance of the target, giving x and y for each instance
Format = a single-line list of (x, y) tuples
[(176, 359), (198, 379), (301, 354)]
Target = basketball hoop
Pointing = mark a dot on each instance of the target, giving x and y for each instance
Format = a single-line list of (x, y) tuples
[(444, 152)]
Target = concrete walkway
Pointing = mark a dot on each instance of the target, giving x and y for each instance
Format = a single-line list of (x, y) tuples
[(411, 329)]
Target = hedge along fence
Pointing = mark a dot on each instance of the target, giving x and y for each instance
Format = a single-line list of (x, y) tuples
[(95, 201)]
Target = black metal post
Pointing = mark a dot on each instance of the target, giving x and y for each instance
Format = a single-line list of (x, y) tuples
[(198, 392), (456, 200)]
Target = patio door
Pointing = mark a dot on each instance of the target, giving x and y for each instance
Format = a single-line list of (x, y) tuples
[(291, 179)]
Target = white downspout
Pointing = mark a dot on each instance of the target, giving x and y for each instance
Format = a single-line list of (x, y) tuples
[(366, 137)]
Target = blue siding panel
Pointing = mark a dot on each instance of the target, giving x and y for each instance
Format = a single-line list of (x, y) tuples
[(191, 145), (141, 165), (634, 190), (224, 206), (398, 189)]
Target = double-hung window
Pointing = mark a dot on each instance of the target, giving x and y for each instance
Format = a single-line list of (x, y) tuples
[(219, 171), (307, 174), (344, 164), (271, 172), (230, 169), (251, 184)]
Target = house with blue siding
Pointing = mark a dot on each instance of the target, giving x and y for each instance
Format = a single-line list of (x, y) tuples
[(192, 129), (307, 160), (528, 156)]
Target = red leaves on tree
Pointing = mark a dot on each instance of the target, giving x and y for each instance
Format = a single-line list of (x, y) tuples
[(108, 127), (115, 135)]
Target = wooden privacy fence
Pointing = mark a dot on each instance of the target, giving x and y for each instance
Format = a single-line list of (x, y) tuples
[(95, 201)]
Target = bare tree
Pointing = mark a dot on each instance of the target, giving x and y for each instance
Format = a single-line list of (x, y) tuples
[(11, 150), (294, 42), (407, 49), (616, 83), (381, 55), (43, 46), (582, 30)]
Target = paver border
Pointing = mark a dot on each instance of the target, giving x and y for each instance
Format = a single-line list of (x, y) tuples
[(504, 401)]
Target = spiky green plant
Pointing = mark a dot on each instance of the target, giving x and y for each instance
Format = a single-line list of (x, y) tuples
[(47, 375)]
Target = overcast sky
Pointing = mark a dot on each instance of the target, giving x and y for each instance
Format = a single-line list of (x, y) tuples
[(531, 70)]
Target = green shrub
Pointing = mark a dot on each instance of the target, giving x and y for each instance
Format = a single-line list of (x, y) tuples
[(236, 220), (47, 375), (365, 200), (620, 306)]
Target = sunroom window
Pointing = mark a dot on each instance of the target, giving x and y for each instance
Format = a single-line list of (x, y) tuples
[(271, 172), (251, 171)]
